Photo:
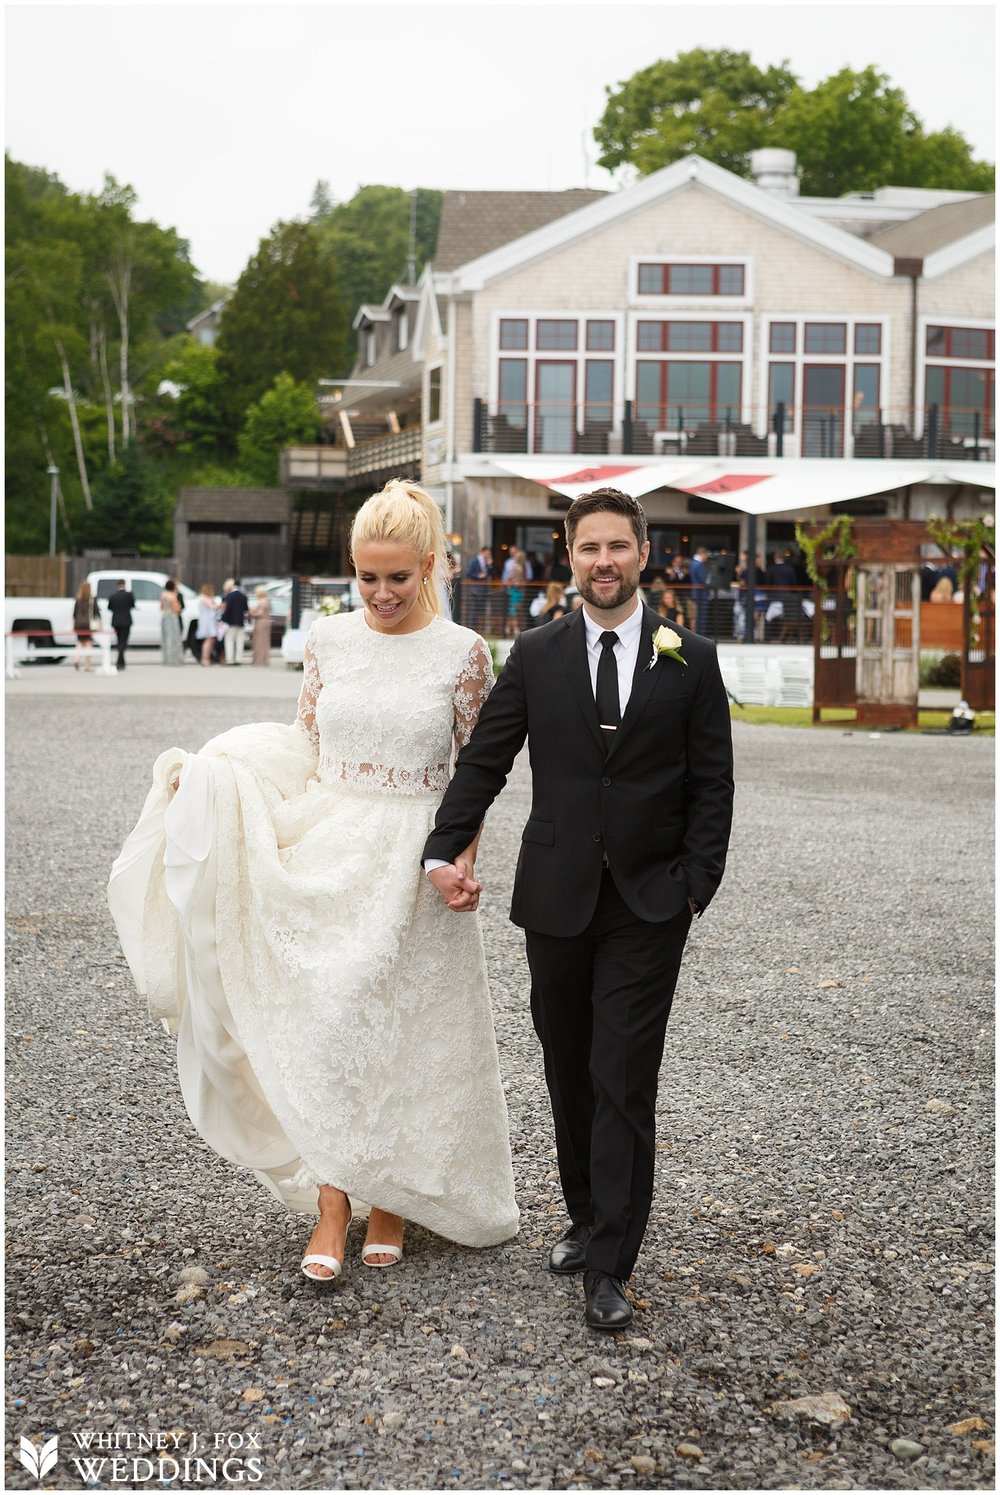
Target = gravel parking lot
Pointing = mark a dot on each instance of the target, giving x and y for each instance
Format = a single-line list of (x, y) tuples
[(814, 1299)]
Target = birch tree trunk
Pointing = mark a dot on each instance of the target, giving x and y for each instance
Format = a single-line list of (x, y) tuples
[(120, 281), (75, 423), (109, 404)]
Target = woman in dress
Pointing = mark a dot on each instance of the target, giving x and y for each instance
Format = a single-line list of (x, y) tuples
[(333, 1016), (208, 622), (171, 643), (86, 617), (260, 611)]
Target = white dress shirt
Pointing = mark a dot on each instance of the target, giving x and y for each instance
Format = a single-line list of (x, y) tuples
[(625, 651)]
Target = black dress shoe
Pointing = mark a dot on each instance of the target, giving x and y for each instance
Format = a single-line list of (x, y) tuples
[(607, 1305), (569, 1254)]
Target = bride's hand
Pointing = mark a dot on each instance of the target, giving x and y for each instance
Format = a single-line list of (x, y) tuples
[(459, 891)]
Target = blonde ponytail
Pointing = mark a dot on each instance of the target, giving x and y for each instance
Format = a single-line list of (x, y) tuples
[(406, 515)]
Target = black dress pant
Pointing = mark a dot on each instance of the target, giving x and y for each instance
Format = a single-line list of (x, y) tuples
[(121, 634), (600, 1003)]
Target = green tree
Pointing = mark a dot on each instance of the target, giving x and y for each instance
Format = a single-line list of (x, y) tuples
[(128, 510), (853, 132), (715, 104), (194, 421), (286, 315), (284, 415), (368, 240)]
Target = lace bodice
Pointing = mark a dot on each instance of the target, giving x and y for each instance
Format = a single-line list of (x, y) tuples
[(386, 712)]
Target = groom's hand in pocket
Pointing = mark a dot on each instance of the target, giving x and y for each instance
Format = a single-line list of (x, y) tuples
[(457, 886)]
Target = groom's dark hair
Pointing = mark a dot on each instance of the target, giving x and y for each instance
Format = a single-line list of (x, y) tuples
[(606, 501)]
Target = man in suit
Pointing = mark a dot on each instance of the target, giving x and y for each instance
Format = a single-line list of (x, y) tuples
[(699, 587), (120, 605), (479, 572), (632, 788), (235, 607)]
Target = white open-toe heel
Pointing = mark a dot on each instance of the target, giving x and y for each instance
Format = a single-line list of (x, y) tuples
[(396, 1252), (317, 1259)]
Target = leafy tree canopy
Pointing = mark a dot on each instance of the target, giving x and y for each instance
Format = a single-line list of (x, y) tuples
[(367, 239), (286, 315), (128, 511), (284, 415), (853, 132)]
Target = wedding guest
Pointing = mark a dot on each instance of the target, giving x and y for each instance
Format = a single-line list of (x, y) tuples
[(171, 642), (86, 617), (208, 619), (260, 612), (120, 606), (234, 616)]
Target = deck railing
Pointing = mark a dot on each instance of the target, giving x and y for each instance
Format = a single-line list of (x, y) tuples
[(935, 433)]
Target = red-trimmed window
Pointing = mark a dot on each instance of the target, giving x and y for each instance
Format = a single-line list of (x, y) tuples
[(689, 393), (690, 337), (600, 337), (867, 339), (782, 337), (825, 337), (556, 336), (691, 280), (514, 333), (960, 395), (867, 384), (960, 342), (513, 393), (781, 389)]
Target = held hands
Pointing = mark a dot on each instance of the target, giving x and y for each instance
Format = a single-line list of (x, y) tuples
[(457, 885)]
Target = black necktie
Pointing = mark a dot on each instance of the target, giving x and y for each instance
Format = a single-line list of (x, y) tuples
[(608, 708)]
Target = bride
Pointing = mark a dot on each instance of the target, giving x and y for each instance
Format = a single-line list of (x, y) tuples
[(333, 1022)]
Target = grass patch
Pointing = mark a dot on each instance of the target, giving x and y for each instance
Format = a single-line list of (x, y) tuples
[(801, 716)]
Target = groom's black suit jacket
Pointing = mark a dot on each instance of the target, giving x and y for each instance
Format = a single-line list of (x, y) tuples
[(658, 806)]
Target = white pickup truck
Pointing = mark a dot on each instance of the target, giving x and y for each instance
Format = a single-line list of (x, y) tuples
[(47, 622)]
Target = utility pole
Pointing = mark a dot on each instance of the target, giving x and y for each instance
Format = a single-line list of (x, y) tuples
[(53, 472)]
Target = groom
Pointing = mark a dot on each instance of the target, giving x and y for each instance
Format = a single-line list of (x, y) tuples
[(632, 790)]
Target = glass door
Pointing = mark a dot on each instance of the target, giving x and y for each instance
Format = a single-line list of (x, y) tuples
[(555, 407), (823, 410)]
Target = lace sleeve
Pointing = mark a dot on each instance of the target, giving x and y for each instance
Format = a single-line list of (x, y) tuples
[(305, 717), (474, 683)]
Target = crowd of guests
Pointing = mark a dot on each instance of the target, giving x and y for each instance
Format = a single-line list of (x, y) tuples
[(681, 591), (223, 624)]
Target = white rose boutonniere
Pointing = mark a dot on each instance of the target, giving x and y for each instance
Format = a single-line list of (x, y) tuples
[(666, 643)]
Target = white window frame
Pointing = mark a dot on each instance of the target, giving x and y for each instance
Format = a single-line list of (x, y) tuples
[(648, 301), (580, 356), (846, 360), (937, 360), (669, 313), (432, 425)]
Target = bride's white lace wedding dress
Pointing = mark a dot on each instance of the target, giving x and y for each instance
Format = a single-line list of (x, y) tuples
[(332, 1016)]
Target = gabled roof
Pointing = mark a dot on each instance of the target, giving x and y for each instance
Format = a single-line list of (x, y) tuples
[(937, 228), (473, 223), (401, 293), (745, 196), (370, 314)]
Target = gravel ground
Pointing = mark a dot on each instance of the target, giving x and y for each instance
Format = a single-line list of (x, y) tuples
[(814, 1296)]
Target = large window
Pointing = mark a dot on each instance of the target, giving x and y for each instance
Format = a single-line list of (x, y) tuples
[(560, 393), (960, 380), (690, 337), (670, 396), (690, 280), (830, 375)]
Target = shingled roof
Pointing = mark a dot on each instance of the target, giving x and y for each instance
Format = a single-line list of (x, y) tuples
[(473, 223), (937, 228), (233, 506)]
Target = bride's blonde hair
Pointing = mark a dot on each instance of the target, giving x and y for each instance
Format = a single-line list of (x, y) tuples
[(406, 515)]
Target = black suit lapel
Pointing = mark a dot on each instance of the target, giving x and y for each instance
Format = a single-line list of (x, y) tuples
[(573, 647), (643, 679)]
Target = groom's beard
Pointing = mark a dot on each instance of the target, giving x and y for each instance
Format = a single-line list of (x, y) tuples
[(626, 588)]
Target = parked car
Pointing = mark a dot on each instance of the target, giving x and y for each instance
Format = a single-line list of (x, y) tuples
[(47, 622)]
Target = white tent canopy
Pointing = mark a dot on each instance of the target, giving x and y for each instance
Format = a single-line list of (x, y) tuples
[(752, 485)]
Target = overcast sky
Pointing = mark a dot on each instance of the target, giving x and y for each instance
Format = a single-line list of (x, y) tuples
[(223, 117)]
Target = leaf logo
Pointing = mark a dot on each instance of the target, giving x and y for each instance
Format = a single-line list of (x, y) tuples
[(39, 1463)]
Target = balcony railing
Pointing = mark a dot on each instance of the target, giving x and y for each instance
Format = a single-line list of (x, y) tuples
[(935, 433), (397, 453)]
